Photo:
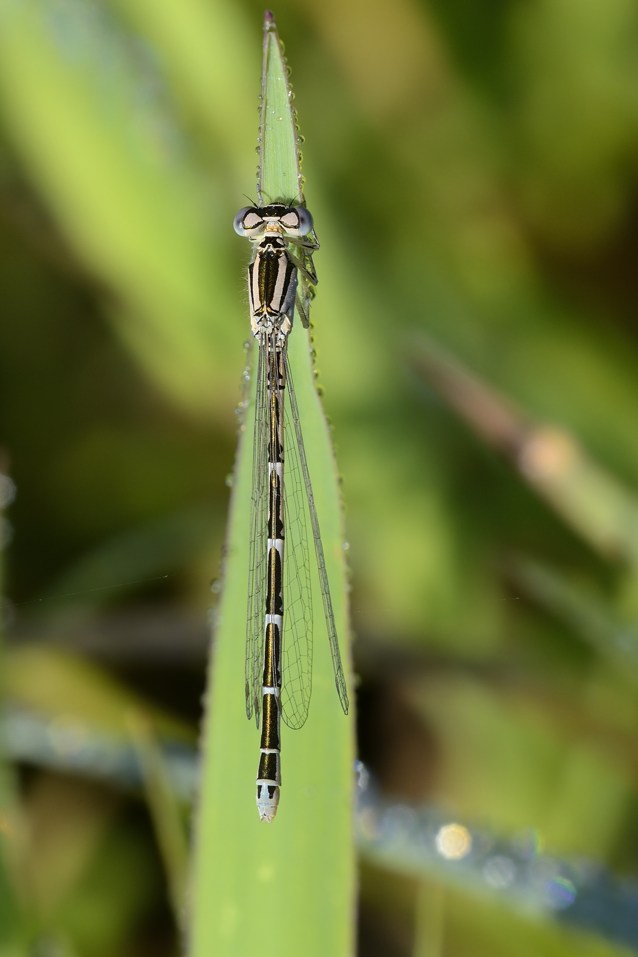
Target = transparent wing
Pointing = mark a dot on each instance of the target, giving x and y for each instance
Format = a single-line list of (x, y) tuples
[(254, 662), (307, 276), (296, 670), (340, 680)]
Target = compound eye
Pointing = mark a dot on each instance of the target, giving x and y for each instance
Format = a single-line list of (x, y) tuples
[(305, 221), (247, 221), (297, 221)]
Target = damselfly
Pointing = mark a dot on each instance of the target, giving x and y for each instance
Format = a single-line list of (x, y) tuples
[(281, 276)]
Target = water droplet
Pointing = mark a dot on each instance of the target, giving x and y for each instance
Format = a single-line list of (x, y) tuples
[(398, 821), (453, 841), (229, 480), (216, 586), (499, 871), (362, 776), (559, 892), (528, 845)]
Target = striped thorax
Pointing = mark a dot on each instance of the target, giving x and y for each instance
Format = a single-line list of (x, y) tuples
[(272, 273)]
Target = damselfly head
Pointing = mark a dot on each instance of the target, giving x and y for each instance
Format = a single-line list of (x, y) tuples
[(277, 218)]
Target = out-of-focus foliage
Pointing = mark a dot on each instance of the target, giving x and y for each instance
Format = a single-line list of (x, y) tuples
[(472, 173)]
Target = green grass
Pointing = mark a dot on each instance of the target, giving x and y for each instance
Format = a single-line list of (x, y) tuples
[(288, 887)]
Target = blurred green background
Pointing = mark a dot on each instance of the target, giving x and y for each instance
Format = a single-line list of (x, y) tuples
[(472, 174)]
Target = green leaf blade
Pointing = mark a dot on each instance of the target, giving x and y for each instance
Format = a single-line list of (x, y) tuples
[(288, 887), (279, 174)]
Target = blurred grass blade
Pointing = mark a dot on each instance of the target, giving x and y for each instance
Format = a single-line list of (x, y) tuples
[(285, 888), (11, 923), (200, 43), (550, 460), (593, 620), (106, 156), (78, 698), (165, 812)]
